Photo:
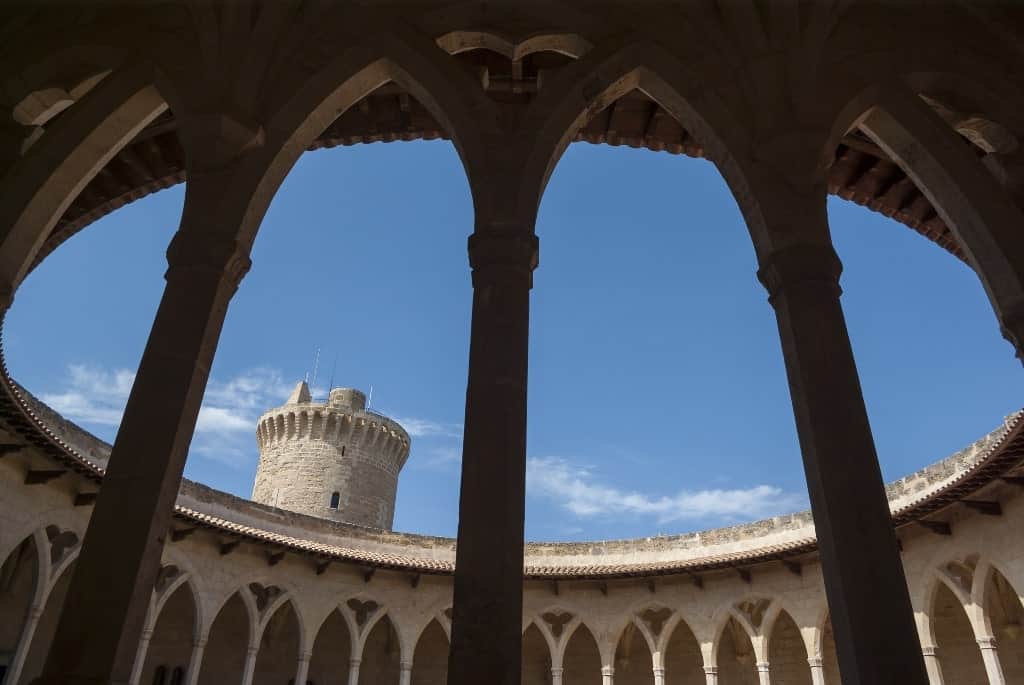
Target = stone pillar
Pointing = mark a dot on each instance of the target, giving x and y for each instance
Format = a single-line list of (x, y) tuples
[(763, 673), (607, 675), (105, 611), (140, 657), (869, 604), (195, 661), (405, 673), (302, 669), (353, 671), (817, 671), (659, 675), (24, 642), (488, 594), (932, 666), (990, 656), (249, 670), (556, 676), (711, 675)]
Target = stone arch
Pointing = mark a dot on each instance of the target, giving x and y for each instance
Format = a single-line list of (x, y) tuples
[(47, 626), (956, 649), (734, 654), (174, 632), (787, 654), (684, 662), (415, 63), (42, 184), (536, 657), (828, 655), (1004, 618), (20, 581), (430, 658), (568, 44), (581, 658), (382, 653), (227, 642), (332, 650), (633, 660), (279, 645)]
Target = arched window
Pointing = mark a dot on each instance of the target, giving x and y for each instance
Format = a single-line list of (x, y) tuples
[(343, 450), (160, 675), (178, 676), (335, 500)]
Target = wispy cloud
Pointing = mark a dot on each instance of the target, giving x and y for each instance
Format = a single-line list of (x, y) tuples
[(578, 490), (227, 420), (425, 428)]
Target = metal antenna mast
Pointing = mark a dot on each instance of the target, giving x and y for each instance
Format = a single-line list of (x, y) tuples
[(316, 366)]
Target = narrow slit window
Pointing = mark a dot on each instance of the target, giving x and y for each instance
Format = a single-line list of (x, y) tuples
[(343, 450), (335, 500)]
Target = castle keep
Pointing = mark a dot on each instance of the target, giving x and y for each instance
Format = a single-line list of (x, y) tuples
[(334, 460)]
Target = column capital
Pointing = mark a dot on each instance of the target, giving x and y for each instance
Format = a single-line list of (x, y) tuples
[(929, 650), (814, 662), (191, 252), (556, 672), (987, 642), (711, 670), (501, 255), (607, 670), (200, 643), (659, 670), (405, 666), (306, 656), (763, 667), (354, 662), (800, 267)]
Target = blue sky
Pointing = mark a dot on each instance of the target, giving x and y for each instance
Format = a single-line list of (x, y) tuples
[(658, 400)]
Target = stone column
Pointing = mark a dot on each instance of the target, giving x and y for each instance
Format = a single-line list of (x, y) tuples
[(302, 669), (990, 656), (195, 661), (105, 611), (488, 594), (817, 671), (763, 673), (556, 676), (659, 675), (353, 671), (404, 673), (249, 670), (24, 643), (711, 675), (932, 666), (140, 657), (607, 675), (876, 637)]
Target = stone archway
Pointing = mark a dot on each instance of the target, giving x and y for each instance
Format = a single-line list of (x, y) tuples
[(18, 577), (536, 663), (1006, 615), (787, 655), (37, 652), (170, 647), (430, 659), (829, 657), (382, 654), (958, 652), (633, 663), (684, 663), (227, 645), (581, 663), (737, 664), (277, 658), (332, 651)]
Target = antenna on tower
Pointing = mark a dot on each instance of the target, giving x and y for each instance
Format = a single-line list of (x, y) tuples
[(330, 383), (369, 398), (316, 366)]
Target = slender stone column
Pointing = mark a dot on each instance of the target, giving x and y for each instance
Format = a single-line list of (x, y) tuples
[(140, 657), (659, 675), (932, 666), (607, 675), (488, 592), (990, 656), (105, 610), (763, 673), (302, 669), (404, 673), (876, 637), (556, 676), (195, 661), (817, 671), (353, 671), (24, 642), (249, 670), (711, 675)]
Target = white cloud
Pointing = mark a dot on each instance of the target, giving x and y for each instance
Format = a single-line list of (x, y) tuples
[(577, 490), (425, 428)]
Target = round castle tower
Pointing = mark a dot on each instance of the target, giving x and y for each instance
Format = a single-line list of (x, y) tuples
[(335, 460)]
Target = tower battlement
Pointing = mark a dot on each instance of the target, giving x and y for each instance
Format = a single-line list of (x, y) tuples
[(332, 459)]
